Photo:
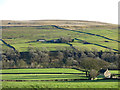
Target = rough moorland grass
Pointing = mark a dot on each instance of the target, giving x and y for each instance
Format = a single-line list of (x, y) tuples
[(61, 84), (44, 70), (33, 33), (42, 76)]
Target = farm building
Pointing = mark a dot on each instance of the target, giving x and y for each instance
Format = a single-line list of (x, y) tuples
[(41, 40), (104, 73), (60, 41)]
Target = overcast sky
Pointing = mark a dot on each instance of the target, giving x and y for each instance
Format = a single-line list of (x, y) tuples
[(91, 10)]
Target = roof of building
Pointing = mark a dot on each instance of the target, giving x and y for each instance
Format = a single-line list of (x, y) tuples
[(102, 70)]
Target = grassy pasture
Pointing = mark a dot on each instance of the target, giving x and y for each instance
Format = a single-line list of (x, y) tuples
[(63, 84), (114, 71), (89, 47), (100, 41), (110, 33), (34, 33), (1, 42), (42, 76), (53, 84), (47, 46), (18, 36), (44, 70)]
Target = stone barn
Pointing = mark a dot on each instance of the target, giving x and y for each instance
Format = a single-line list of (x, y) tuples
[(104, 73), (41, 40)]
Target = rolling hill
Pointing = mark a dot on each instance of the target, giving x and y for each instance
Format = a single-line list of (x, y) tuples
[(86, 34)]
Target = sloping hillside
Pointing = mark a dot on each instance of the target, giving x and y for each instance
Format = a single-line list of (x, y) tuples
[(86, 34)]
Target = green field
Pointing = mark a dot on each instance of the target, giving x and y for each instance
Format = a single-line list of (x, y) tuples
[(47, 46), (114, 71), (44, 70), (20, 37), (110, 33), (41, 76), (53, 84), (61, 84)]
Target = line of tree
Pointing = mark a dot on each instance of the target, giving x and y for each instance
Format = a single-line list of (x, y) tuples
[(67, 58)]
